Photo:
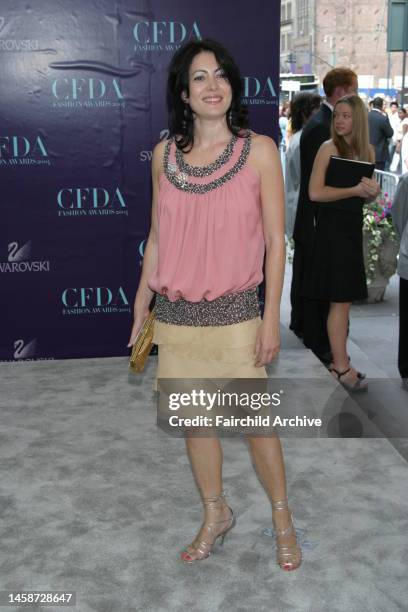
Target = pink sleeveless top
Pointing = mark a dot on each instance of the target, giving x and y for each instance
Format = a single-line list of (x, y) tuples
[(209, 244)]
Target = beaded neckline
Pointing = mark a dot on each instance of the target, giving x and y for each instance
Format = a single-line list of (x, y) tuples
[(180, 179), (201, 171)]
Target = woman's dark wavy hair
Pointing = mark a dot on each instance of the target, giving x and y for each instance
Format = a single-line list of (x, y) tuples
[(180, 114), (301, 108)]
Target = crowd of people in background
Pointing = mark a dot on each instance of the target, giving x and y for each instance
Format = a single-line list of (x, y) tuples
[(388, 123), (324, 220)]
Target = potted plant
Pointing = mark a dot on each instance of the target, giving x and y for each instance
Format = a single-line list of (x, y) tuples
[(380, 246)]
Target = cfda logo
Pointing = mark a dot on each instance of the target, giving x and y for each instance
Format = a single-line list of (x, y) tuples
[(87, 93), (19, 260), (142, 246), (164, 35), (90, 202), (259, 91), (94, 300), (141, 250), (22, 151), (15, 44)]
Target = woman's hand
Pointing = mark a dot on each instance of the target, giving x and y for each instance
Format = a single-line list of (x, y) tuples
[(367, 188), (267, 343), (360, 191), (372, 187), (139, 319)]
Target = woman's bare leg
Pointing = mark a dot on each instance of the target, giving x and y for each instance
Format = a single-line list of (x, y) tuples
[(206, 461), (205, 454), (268, 459), (337, 326)]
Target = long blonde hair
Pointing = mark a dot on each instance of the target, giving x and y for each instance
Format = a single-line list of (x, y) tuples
[(360, 144)]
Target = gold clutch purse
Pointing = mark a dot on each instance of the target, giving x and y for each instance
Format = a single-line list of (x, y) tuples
[(143, 344)]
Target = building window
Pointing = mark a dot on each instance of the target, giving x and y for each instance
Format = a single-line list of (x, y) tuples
[(283, 12), (283, 47), (289, 11), (303, 17), (289, 41)]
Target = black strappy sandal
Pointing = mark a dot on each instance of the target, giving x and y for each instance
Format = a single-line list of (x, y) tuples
[(359, 386), (360, 375)]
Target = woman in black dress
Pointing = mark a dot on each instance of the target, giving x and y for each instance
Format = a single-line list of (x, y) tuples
[(337, 271)]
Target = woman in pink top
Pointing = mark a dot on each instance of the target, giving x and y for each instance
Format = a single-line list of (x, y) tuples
[(218, 205)]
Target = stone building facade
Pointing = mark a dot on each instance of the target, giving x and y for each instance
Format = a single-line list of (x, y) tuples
[(353, 33)]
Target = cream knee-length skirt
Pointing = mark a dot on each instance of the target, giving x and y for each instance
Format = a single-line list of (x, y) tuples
[(224, 351)]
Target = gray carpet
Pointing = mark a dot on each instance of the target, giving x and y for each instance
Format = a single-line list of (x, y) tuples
[(96, 499)]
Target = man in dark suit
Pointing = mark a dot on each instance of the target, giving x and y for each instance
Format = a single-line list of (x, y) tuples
[(309, 317), (380, 131)]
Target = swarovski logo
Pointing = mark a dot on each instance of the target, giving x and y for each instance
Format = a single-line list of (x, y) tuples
[(18, 260), (19, 254), (147, 155), (24, 351), (14, 44)]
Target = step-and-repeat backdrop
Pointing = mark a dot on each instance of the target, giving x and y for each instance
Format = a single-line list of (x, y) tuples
[(82, 104)]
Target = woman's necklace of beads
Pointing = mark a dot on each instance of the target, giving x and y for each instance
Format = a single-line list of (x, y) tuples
[(180, 179), (202, 171)]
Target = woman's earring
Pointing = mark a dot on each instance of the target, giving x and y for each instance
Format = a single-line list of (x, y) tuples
[(184, 122), (230, 117)]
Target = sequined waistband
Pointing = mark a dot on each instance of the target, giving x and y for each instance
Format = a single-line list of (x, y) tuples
[(225, 310)]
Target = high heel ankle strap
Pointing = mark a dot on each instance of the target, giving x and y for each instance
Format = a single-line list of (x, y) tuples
[(283, 505), (209, 501), (280, 505)]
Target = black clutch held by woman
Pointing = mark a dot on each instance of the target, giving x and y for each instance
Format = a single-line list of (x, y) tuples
[(347, 173)]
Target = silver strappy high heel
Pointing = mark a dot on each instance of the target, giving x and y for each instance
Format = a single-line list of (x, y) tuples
[(289, 556), (203, 548)]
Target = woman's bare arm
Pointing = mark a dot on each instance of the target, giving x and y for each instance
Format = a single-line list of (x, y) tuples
[(267, 162), (144, 294)]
